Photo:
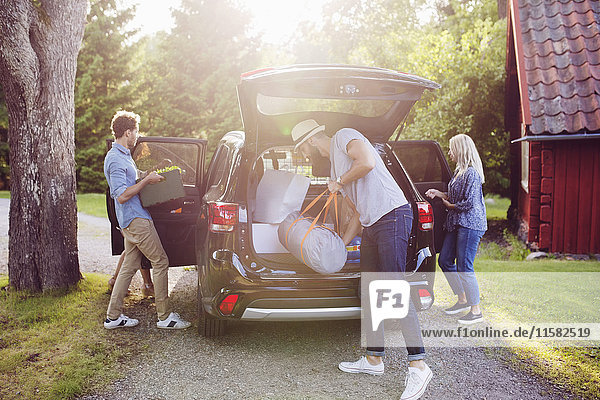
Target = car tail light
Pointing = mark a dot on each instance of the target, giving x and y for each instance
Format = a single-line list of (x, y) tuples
[(228, 303), (425, 216), (426, 298), (222, 217)]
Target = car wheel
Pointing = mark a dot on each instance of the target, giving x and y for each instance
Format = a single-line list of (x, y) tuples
[(209, 326)]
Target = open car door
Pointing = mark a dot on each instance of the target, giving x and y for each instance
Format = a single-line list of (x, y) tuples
[(428, 168), (175, 221)]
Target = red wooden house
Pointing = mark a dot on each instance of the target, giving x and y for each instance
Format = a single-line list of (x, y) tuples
[(553, 116)]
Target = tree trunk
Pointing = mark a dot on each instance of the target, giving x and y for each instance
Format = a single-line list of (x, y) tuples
[(39, 43)]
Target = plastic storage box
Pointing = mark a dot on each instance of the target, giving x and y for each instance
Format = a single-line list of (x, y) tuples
[(171, 188)]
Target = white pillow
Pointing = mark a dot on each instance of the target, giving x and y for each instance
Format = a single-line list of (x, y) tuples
[(279, 193)]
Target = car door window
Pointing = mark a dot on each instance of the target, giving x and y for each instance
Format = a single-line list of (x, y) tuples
[(149, 155), (421, 163), (217, 169), (428, 169)]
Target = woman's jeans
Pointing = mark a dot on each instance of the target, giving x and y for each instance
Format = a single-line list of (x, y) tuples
[(383, 249), (456, 260)]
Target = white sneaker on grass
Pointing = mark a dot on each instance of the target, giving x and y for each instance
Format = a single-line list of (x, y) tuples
[(173, 321), (122, 322), (416, 382), (362, 365)]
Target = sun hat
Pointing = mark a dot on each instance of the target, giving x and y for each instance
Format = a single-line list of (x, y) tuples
[(305, 130)]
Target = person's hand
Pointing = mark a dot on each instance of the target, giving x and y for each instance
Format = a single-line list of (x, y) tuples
[(433, 193), (153, 178), (447, 204), (333, 186)]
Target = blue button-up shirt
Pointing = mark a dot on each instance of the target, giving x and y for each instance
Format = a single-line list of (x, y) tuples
[(121, 172)]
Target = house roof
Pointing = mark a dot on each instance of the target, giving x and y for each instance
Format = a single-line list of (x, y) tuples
[(557, 45)]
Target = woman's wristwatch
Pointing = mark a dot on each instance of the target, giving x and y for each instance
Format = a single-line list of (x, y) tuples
[(339, 180)]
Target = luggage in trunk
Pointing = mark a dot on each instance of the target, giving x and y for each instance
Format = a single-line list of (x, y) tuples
[(322, 249), (278, 194)]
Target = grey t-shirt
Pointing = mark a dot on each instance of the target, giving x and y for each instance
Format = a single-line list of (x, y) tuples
[(373, 195)]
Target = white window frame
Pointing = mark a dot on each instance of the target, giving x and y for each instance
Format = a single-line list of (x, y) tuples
[(524, 160)]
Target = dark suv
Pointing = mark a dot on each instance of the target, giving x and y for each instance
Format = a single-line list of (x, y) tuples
[(244, 273)]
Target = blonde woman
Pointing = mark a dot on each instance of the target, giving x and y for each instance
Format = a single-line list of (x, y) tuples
[(465, 225)]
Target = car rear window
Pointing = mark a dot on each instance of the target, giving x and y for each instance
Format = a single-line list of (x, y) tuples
[(271, 105), (283, 158)]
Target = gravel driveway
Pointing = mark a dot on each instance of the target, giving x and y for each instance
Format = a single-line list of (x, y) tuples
[(299, 361), (277, 360)]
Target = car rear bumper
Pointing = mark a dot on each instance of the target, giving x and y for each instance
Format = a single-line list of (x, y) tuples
[(290, 298), (300, 314)]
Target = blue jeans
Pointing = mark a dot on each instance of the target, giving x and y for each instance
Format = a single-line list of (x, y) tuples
[(456, 260), (383, 249)]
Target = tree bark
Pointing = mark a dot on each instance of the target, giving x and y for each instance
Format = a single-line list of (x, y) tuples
[(39, 43)]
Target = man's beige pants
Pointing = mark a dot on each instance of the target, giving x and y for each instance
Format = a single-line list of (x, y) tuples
[(141, 238)]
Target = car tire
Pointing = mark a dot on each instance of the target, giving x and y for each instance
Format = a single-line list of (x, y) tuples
[(209, 326)]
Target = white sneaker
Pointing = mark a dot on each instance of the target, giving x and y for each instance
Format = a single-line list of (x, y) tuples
[(416, 382), (122, 322), (173, 321), (362, 365)]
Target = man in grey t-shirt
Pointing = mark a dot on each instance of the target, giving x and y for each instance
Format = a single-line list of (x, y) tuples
[(382, 209)]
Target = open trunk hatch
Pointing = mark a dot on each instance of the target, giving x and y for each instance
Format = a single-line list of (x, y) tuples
[(372, 100)]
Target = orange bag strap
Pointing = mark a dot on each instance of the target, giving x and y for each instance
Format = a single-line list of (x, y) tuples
[(308, 207), (312, 226), (335, 203)]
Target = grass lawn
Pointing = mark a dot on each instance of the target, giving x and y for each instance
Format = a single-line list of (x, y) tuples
[(92, 204), (87, 203), (546, 290), (543, 291), (54, 346), (526, 292), (496, 206)]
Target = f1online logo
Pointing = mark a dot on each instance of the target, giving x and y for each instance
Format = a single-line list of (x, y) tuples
[(389, 299)]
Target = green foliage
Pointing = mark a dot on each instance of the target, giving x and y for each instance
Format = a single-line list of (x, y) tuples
[(187, 78), (182, 83), (492, 251), (462, 48), (496, 207), (101, 88), (519, 251), (167, 169), (513, 250), (90, 170), (470, 69)]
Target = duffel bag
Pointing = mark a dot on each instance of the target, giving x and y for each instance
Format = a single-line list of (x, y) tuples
[(316, 245)]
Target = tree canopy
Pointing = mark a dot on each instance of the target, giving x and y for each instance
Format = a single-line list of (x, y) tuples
[(183, 82), (102, 86)]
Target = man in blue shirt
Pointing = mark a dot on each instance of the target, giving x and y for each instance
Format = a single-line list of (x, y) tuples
[(136, 226)]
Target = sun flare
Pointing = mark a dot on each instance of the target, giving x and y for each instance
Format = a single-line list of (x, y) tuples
[(275, 20)]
